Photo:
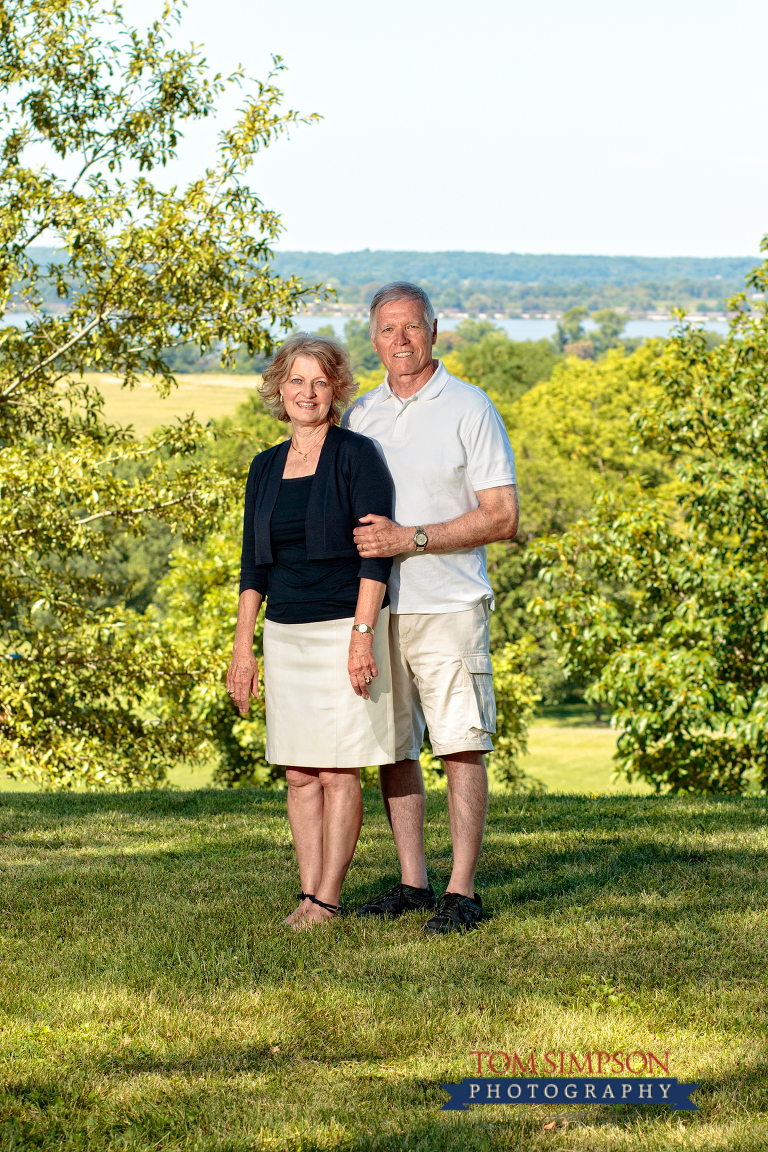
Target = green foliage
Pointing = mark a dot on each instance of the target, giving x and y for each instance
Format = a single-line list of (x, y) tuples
[(134, 565), (570, 328), (195, 612), (660, 597), (502, 367), (573, 431), (237, 439), (142, 270), (457, 269), (516, 700), (610, 326), (467, 332), (188, 358), (196, 615), (362, 353), (571, 436)]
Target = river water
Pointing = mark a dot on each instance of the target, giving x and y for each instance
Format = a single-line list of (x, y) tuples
[(515, 329)]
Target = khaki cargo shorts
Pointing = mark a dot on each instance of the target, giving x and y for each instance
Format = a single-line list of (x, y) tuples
[(442, 679)]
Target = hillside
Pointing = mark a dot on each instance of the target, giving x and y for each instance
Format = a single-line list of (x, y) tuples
[(515, 268)]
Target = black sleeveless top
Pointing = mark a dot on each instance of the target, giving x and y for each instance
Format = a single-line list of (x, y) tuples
[(301, 591)]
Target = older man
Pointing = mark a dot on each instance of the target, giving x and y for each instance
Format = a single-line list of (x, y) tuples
[(453, 467)]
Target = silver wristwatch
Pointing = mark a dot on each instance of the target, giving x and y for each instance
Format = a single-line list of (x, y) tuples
[(364, 628), (420, 539)]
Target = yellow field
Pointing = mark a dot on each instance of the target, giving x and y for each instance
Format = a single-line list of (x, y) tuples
[(209, 397)]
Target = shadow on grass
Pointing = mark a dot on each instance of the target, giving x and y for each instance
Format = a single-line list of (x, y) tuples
[(41, 1110), (165, 895), (586, 848)]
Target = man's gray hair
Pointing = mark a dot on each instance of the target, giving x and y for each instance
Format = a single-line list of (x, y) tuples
[(401, 290)]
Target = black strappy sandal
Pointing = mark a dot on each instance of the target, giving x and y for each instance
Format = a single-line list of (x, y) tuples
[(334, 909)]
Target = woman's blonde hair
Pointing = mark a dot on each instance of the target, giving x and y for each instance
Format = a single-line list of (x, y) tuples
[(332, 357)]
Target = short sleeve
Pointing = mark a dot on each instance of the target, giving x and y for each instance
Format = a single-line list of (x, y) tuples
[(490, 459)]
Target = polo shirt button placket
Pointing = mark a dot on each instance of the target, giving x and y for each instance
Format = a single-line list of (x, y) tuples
[(398, 431)]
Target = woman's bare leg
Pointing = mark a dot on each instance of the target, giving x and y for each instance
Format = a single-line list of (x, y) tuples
[(305, 815), (342, 821)]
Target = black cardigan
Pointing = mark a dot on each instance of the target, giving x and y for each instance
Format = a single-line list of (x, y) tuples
[(351, 480)]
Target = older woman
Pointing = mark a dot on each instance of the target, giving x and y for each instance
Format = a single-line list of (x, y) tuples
[(326, 657)]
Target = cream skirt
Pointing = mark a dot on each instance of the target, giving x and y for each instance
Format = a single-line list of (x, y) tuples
[(314, 718)]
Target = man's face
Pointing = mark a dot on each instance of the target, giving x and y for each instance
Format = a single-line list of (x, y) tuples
[(402, 338)]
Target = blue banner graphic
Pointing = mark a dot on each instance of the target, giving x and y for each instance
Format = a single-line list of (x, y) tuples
[(573, 1090)]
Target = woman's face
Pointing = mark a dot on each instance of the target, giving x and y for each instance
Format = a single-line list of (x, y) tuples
[(307, 395)]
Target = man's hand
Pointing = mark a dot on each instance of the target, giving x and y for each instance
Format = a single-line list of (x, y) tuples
[(242, 679), (495, 518), (382, 537)]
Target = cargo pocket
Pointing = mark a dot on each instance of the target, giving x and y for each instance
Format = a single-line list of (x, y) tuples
[(480, 698)]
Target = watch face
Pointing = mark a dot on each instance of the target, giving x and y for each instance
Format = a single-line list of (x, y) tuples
[(421, 539)]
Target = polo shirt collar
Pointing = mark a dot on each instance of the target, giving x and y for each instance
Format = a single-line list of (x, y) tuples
[(432, 388)]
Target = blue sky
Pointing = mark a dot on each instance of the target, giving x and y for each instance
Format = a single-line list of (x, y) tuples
[(605, 126)]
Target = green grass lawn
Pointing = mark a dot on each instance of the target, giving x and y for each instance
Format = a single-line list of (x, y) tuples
[(151, 999), (575, 759)]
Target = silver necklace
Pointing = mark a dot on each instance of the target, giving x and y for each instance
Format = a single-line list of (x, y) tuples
[(304, 456)]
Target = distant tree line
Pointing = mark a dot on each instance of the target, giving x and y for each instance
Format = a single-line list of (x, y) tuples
[(485, 283), (513, 284), (358, 268)]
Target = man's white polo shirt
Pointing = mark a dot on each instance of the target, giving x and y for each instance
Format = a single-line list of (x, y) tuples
[(442, 445)]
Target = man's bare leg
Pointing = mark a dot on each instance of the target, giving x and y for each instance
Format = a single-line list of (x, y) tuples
[(467, 806), (402, 786)]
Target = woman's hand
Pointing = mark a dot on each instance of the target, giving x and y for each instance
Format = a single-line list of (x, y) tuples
[(361, 665), (242, 679)]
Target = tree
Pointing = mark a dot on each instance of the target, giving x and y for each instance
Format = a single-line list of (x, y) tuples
[(572, 437), (502, 367), (570, 329), (195, 614), (467, 332), (660, 597), (610, 326), (142, 270), (362, 353)]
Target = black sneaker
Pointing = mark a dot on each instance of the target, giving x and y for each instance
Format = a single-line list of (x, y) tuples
[(455, 913), (401, 898)]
